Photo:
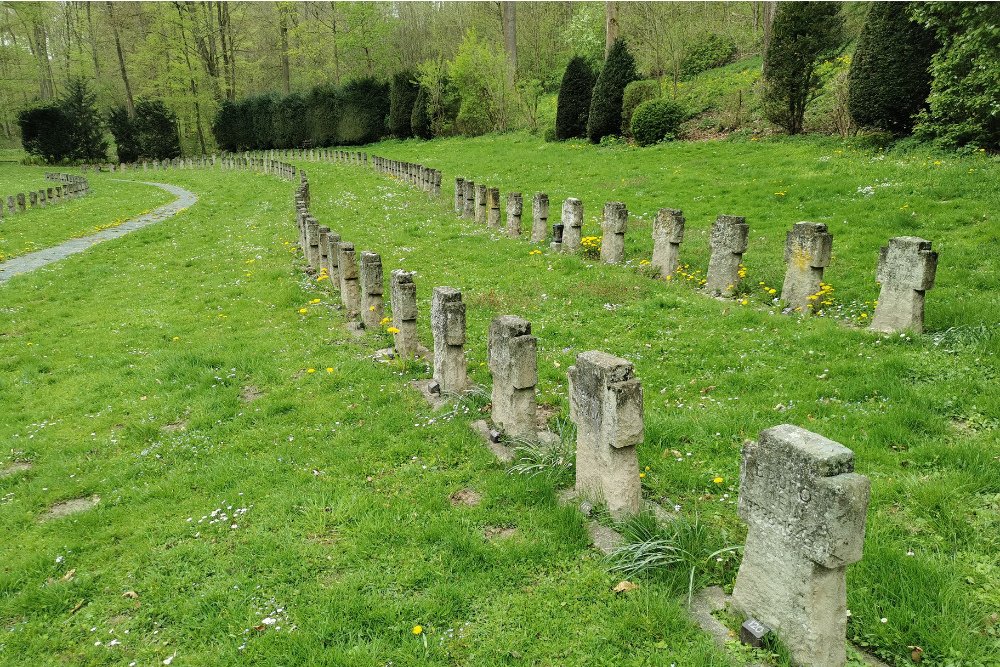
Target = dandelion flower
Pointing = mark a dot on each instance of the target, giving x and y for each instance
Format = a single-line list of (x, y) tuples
[(329, 370), (718, 480), (371, 308), (315, 301), (303, 311), (642, 475), (311, 370), (418, 630), (392, 330), (384, 321)]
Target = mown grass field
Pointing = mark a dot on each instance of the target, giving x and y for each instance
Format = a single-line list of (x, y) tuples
[(171, 376)]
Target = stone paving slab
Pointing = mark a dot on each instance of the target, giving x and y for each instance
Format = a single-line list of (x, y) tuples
[(40, 258)]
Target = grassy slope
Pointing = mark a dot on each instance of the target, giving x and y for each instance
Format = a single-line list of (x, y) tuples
[(123, 371), (109, 203)]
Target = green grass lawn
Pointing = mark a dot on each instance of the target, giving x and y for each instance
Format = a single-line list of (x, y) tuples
[(171, 377), (109, 203)]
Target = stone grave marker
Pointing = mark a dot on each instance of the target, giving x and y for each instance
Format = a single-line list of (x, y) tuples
[(613, 228), (512, 352), (515, 206), (572, 221), (728, 243), (906, 270), (805, 510), (403, 298), (807, 251), (350, 290), (668, 233), (448, 328), (606, 406), (539, 217), (372, 310), (493, 208), (469, 209)]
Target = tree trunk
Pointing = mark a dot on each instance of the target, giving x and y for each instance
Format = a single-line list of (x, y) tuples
[(194, 86), (769, 9), (336, 50), (283, 27), (509, 20), (93, 44), (610, 26), (222, 16), (129, 102)]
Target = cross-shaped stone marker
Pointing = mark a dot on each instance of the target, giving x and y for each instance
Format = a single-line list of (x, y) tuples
[(372, 285), (572, 220), (613, 228), (350, 290), (480, 202), (403, 297), (469, 208), (448, 328), (728, 243), (805, 510), (807, 251), (668, 233), (332, 261), (906, 270), (513, 362), (605, 403), (539, 217), (493, 208), (515, 206)]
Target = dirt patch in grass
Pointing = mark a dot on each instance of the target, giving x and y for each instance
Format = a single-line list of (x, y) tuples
[(14, 468), (544, 415), (466, 497), (72, 506), (250, 393), (499, 532), (174, 427)]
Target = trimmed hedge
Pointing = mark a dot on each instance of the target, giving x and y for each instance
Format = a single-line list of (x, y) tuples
[(402, 96), (152, 133), (420, 120), (573, 104), (606, 105), (636, 93), (656, 120), (43, 132)]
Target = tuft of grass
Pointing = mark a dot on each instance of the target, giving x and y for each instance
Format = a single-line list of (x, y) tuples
[(555, 462)]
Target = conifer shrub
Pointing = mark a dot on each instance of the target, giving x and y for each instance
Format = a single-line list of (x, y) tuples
[(258, 113), (656, 120), (402, 96), (573, 104), (365, 109), (889, 79), (605, 116), (636, 93), (420, 120), (323, 114), (43, 132), (802, 34), (123, 130), (709, 51), (289, 116), (151, 133), (85, 124)]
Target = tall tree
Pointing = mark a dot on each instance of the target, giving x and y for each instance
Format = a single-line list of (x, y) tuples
[(509, 19), (286, 78), (610, 26), (606, 104), (803, 33), (129, 101)]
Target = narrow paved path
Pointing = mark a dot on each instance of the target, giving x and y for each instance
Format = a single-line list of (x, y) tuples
[(40, 258)]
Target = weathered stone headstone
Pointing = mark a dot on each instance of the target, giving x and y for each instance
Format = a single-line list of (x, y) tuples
[(493, 208), (372, 310), (668, 233), (557, 237), (312, 235), (807, 250), (613, 228), (350, 290), (448, 327), (606, 406), (33, 199), (332, 260), (728, 243), (515, 207), (805, 509), (539, 217), (513, 362), (469, 210), (324, 249), (403, 297), (480, 203), (572, 220), (906, 270), (11, 206), (436, 184)]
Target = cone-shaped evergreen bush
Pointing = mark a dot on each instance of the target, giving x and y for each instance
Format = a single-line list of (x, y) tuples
[(420, 120), (606, 104), (573, 106), (402, 95), (889, 79)]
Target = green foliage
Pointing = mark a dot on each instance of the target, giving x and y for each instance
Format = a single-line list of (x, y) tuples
[(708, 51), (323, 109), (802, 33), (365, 111), (259, 113), (420, 120), (71, 129), (479, 75), (585, 36), (656, 120), (963, 108), (636, 93), (402, 97), (573, 105), (43, 132), (289, 114), (442, 98), (606, 104), (152, 133), (228, 126), (889, 79)]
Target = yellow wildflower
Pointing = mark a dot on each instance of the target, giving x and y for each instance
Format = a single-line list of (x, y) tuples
[(718, 480), (418, 630), (303, 311), (311, 370), (392, 330)]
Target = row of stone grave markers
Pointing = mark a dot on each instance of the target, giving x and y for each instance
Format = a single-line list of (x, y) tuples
[(71, 187), (906, 266), (426, 179), (804, 505), (225, 162)]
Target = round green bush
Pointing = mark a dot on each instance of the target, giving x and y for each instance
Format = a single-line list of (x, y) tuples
[(636, 93), (709, 51), (656, 120)]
